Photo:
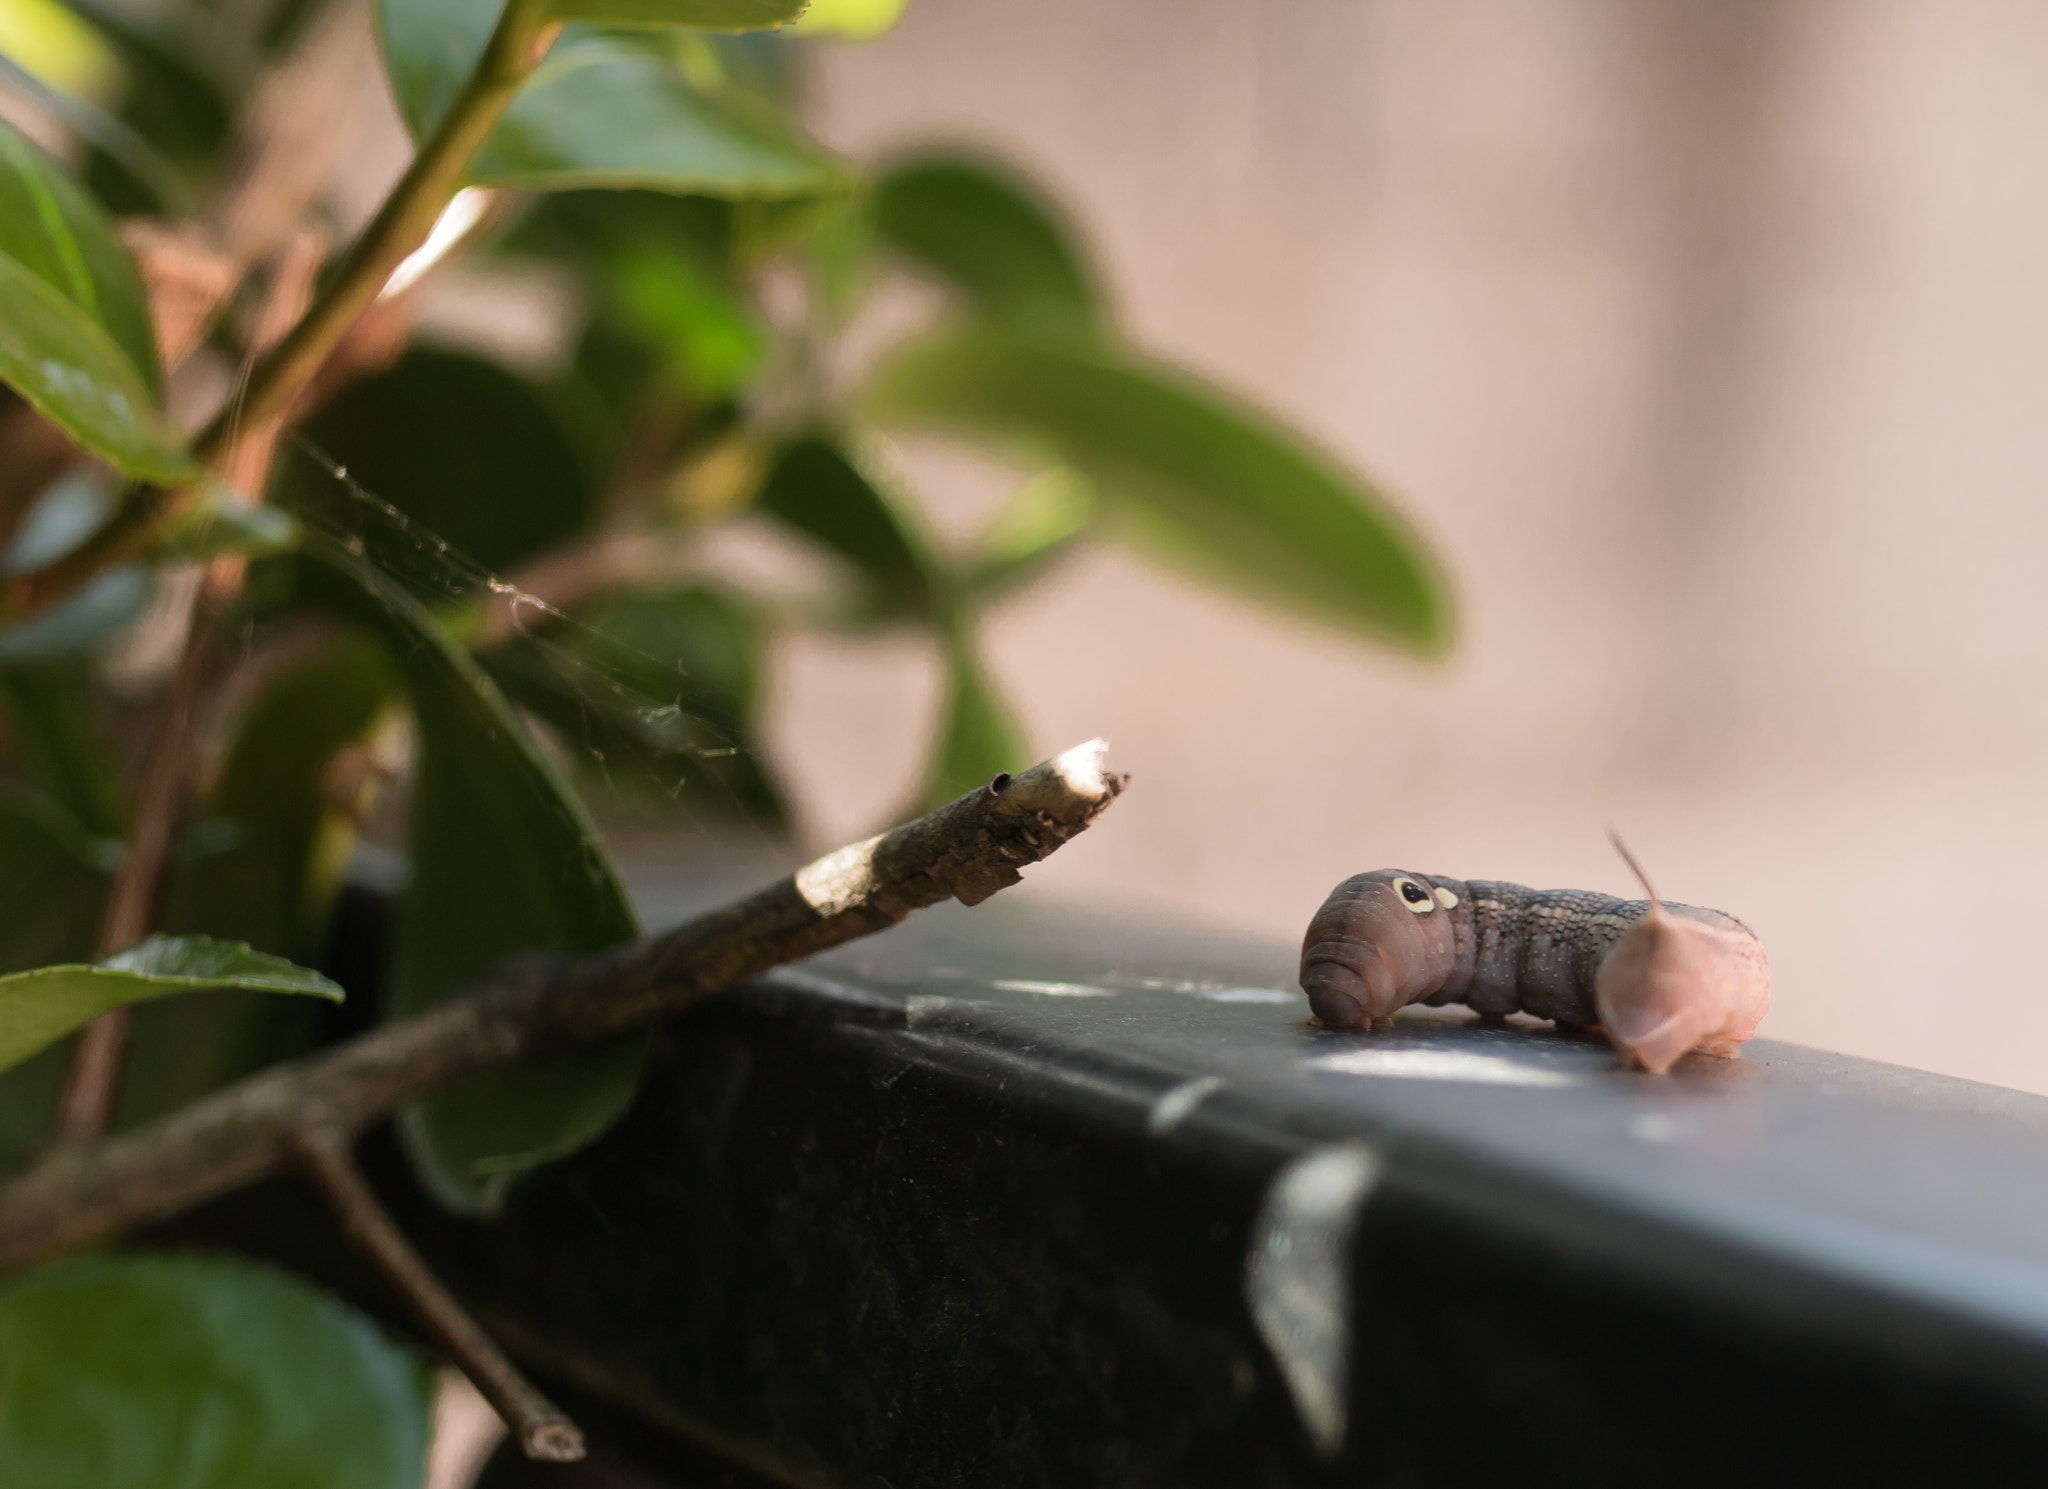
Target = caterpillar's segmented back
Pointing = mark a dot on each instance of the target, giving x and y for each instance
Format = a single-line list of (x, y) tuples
[(1661, 979)]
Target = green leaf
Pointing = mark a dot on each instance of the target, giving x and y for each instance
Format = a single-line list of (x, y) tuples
[(1042, 520), (1196, 476), (223, 521), (656, 689), (602, 110), (708, 335), (81, 624), (851, 20), (64, 364), (39, 1007), (978, 225), (979, 737), (138, 1372), (504, 860), (53, 876), (74, 334), (816, 487), (710, 15), (460, 446), (52, 229), (264, 886), (50, 721), (53, 880)]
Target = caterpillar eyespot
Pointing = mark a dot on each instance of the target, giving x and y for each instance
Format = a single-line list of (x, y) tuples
[(1415, 897), (1661, 980)]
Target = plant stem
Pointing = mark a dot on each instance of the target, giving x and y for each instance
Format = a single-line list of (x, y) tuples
[(966, 850), (544, 1431), (521, 40), (93, 1083)]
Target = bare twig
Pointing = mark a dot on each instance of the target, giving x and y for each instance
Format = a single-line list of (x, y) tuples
[(543, 1429), (94, 1080), (966, 850)]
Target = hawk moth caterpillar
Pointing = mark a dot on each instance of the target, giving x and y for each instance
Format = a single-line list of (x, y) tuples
[(1659, 979)]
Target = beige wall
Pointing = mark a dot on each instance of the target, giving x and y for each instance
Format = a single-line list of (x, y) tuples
[(1707, 342)]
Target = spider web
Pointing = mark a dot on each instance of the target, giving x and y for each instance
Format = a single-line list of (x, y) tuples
[(586, 689)]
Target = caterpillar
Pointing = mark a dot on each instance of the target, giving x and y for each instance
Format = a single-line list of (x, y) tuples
[(1659, 979)]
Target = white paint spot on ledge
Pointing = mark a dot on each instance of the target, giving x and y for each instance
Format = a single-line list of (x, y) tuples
[(1443, 1065), (1171, 1109), (1298, 1280), (1053, 989), (1271, 995)]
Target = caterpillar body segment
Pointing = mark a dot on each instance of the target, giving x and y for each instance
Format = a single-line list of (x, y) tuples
[(1660, 979)]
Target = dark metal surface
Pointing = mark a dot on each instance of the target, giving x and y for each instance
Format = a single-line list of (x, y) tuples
[(1015, 1197)]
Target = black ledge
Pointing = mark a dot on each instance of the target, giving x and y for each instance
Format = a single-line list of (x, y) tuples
[(1016, 1197)]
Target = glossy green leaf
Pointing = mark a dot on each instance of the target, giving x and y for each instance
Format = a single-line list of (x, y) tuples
[(603, 110), (979, 737), (53, 230), (981, 227), (710, 15), (504, 860), (61, 361), (463, 448), (817, 488), (1196, 476), (53, 881), (141, 1372), (39, 1007)]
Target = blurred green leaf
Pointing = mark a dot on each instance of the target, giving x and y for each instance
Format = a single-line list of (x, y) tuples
[(603, 110), (979, 737), (708, 335), (1195, 476), (851, 20), (222, 521), (53, 876), (816, 487), (263, 887), (267, 876), (41, 1006), (52, 229), (50, 721), (139, 1372), (713, 15), (1042, 520), (656, 689), (81, 624), (504, 860), (460, 446), (992, 235), (142, 168)]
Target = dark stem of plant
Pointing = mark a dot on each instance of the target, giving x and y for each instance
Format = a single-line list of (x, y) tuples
[(93, 1083), (542, 1429)]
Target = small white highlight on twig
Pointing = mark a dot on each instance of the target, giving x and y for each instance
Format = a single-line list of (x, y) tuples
[(839, 880)]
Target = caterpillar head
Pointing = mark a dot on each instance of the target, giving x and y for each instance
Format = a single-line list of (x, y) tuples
[(1380, 942)]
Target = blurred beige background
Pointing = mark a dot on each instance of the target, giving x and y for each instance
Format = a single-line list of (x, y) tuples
[(1705, 339)]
